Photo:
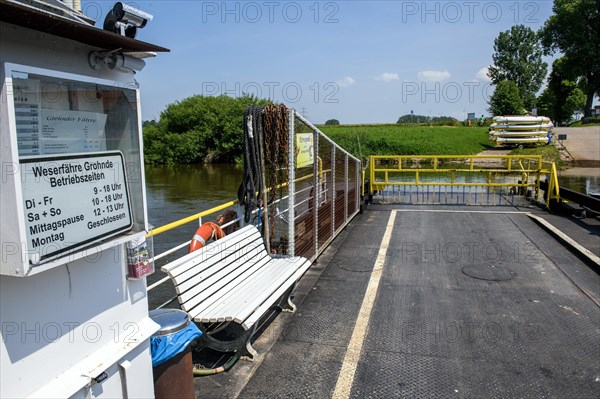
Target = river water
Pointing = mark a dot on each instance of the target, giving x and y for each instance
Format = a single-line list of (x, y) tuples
[(175, 192), (583, 180)]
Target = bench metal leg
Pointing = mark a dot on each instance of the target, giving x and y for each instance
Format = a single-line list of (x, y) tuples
[(291, 307), (241, 345), (248, 353), (285, 304)]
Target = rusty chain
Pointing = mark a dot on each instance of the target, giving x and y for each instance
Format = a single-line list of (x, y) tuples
[(276, 136)]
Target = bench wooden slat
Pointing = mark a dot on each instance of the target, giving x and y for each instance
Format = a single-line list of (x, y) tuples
[(244, 289), (208, 255), (230, 252), (196, 305), (304, 264), (242, 304), (220, 270), (277, 280), (182, 264), (246, 297), (240, 269)]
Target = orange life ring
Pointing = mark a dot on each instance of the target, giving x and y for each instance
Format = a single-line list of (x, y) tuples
[(204, 233)]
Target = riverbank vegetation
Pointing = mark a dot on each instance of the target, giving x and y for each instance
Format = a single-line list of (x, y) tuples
[(365, 140), (549, 153), (202, 129), (207, 130), (411, 119), (198, 129)]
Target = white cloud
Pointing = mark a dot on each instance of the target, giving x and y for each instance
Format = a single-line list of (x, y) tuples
[(388, 77), (434, 76), (482, 75), (345, 82)]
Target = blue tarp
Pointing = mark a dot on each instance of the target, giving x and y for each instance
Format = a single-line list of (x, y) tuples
[(165, 347)]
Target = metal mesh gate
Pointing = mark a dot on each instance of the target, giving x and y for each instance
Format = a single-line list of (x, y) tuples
[(325, 187)]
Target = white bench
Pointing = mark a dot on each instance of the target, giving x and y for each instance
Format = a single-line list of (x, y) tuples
[(234, 280)]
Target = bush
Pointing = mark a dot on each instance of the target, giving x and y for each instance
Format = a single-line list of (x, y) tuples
[(410, 119), (198, 129)]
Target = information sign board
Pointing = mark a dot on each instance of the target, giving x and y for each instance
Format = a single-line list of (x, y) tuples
[(73, 200), (304, 150)]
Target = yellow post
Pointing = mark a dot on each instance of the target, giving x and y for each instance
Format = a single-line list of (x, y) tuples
[(554, 177), (372, 170), (537, 186), (362, 172)]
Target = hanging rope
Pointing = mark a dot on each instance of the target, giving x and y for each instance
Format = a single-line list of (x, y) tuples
[(270, 123), (251, 188)]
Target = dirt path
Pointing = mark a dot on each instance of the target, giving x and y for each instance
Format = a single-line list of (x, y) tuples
[(492, 162), (495, 151)]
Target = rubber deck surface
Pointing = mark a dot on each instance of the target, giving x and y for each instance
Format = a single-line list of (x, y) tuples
[(470, 305)]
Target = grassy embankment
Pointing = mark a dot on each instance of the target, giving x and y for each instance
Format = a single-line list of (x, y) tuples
[(596, 122), (548, 152), (408, 140), (422, 140)]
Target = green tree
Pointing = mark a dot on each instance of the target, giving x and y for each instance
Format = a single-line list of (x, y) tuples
[(332, 122), (198, 129), (575, 101), (412, 118), (506, 99), (439, 120), (152, 122), (574, 30), (518, 58), (562, 88), (546, 104)]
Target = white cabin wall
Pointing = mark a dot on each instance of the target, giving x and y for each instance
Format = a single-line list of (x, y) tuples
[(73, 319)]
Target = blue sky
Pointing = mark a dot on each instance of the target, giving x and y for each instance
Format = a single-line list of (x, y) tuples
[(356, 61)]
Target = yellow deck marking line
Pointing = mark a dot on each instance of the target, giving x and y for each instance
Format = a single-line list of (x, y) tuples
[(343, 386)]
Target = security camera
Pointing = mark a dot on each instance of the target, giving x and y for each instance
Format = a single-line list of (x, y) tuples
[(116, 60), (125, 19), (127, 63), (131, 15)]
